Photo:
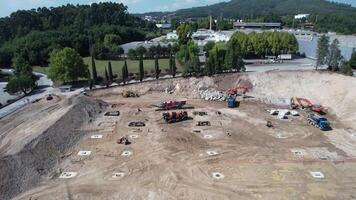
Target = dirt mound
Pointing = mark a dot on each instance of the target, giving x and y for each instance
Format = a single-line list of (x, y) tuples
[(40, 157)]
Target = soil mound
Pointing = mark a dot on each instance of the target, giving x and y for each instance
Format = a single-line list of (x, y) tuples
[(40, 157)]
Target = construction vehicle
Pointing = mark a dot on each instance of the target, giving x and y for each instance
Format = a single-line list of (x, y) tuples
[(231, 102), (49, 97), (318, 121), (124, 141), (171, 105), (172, 117), (300, 103), (239, 90)]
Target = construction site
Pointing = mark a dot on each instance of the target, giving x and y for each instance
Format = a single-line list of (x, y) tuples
[(271, 135)]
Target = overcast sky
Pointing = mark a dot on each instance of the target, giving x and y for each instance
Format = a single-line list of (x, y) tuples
[(135, 6)]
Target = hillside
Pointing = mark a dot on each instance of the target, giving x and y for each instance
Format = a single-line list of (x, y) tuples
[(248, 8)]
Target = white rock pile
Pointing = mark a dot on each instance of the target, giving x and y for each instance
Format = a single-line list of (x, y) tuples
[(212, 95)]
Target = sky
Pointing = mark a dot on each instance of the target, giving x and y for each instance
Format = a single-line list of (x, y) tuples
[(135, 6)]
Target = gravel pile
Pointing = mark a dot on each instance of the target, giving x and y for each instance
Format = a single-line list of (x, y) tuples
[(212, 95)]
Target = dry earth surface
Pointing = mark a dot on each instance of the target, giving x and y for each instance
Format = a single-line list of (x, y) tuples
[(237, 157)]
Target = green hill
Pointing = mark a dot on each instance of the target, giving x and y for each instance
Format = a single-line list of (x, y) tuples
[(248, 8)]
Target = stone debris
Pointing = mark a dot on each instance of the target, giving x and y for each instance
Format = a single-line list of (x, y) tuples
[(212, 95)]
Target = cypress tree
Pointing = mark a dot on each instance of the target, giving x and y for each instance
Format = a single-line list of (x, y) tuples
[(170, 63), (111, 76), (93, 68), (157, 70), (124, 73), (106, 78), (174, 68), (142, 72)]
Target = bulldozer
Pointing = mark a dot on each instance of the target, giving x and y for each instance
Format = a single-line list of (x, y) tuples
[(172, 117)]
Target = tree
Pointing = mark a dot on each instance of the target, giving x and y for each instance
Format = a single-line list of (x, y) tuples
[(231, 58), (210, 65), (170, 63), (111, 76), (107, 80), (132, 54), (322, 51), (353, 60), (23, 80), (125, 73), (334, 57), (208, 47), (142, 71), (174, 67), (241, 64), (21, 83), (141, 51), (157, 70), (184, 32), (21, 64), (112, 42), (66, 65), (93, 69), (346, 69)]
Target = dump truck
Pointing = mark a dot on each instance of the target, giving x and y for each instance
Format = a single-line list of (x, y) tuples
[(318, 121), (172, 117), (171, 105), (300, 103)]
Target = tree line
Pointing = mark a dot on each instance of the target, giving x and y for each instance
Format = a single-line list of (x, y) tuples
[(152, 51)]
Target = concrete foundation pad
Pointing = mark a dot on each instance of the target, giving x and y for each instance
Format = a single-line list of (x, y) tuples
[(84, 153), (67, 175), (317, 175), (208, 136), (217, 175), (96, 136), (118, 175), (212, 153), (133, 136), (126, 153)]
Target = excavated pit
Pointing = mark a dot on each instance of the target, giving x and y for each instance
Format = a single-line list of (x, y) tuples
[(164, 163), (40, 157)]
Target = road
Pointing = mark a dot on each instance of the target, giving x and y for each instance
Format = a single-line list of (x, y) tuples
[(44, 88), (297, 64)]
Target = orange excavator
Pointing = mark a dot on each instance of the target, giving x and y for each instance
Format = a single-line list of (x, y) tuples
[(239, 90), (300, 103)]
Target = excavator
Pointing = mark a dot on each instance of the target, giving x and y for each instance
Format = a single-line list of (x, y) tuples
[(239, 90), (300, 103)]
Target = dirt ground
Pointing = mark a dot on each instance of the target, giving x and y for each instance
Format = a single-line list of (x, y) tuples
[(171, 161)]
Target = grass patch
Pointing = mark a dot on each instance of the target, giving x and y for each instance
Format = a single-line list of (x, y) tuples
[(132, 65)]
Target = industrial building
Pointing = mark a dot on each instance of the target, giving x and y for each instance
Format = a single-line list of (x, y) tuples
[(256, 25)]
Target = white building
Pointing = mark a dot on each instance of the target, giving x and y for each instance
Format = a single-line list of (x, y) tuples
[(172, 36), (301, 16), (203, 36), (164, 26)]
